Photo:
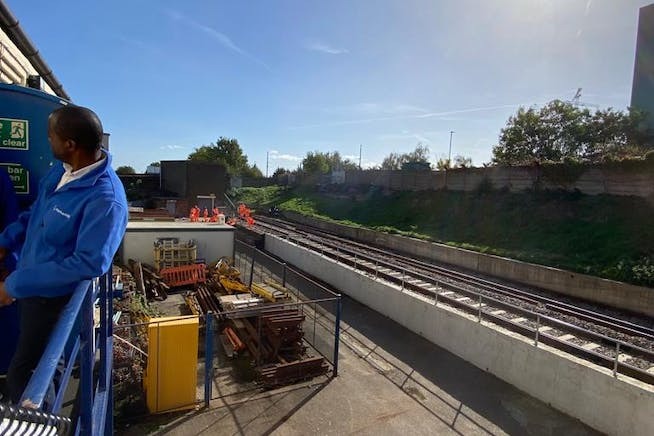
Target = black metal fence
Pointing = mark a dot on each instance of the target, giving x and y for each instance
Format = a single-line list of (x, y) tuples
[(320, 306)]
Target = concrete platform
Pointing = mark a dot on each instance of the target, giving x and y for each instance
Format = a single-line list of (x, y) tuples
[(391, 381)]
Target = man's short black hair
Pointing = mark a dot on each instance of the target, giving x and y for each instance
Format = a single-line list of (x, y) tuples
[(78, 124)]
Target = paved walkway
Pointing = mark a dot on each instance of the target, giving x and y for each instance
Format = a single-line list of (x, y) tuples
[(391, 382)]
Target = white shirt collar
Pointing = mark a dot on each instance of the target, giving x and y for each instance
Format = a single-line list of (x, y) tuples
[(69, 175)]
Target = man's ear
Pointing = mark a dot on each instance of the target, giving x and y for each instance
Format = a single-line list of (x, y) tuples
[(70, 145)]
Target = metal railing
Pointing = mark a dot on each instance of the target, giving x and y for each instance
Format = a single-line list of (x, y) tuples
[(74, 341)]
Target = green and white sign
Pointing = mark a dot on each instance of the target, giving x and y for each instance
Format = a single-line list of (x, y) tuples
[(19, 176), (14, 134)]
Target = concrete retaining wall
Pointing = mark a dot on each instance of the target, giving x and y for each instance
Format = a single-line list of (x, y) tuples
[(614, 406), (637, 299), (592, 180)]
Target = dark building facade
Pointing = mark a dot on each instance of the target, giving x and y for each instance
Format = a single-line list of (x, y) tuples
[(642, 94), (188, 183)]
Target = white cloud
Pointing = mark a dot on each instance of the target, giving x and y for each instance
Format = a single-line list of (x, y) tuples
[(438, 115), (422, 137), (387, 109), (171, 147), (325, 48), (369, 164), (372, 108), (353, 157), (275, 155), (223, 39)]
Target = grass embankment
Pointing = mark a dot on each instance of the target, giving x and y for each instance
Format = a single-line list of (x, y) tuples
[(607, 236)]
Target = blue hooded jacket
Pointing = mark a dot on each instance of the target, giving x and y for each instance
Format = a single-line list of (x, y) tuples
[(8, 211), (68, 235), (9, 206)]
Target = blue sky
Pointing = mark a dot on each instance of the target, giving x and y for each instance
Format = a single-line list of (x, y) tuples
[(291, 76)]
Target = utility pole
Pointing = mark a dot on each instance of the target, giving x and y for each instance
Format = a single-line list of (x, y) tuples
[(360, 148), (267, 164), (449, 158)]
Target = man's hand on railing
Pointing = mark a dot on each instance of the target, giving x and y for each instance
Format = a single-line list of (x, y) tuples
[(5, 298)]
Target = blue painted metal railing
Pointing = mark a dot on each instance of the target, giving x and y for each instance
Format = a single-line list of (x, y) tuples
[(75, 340)]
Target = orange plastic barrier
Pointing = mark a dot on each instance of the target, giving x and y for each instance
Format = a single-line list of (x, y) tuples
[(184, 275)]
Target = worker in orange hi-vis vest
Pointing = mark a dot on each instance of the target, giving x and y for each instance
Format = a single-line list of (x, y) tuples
[(194, 214), (214, 215), (205, 215)]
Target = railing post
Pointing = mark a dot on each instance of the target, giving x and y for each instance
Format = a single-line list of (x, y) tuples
[(108, 341), (315, 315), (251, 270), (284, 274), (86, 364), (208, 358), (102, 337), (615, 362), (337, 333)]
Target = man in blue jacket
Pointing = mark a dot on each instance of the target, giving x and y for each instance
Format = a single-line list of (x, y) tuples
[(71, 233)]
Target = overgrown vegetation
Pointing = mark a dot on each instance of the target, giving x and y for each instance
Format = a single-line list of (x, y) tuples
[(317, 162), (564, 132), (227, 152), (608, 236)]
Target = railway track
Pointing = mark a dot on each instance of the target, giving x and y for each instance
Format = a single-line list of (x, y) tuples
[(622, 346)]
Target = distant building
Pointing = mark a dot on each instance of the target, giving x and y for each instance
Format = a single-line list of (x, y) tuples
[(153, 169), (177, 186), (187, 183), (642, 94)]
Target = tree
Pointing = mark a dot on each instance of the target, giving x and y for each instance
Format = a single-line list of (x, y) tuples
[(252, 171), (443, 164), (561, 130), (155, 164), (316, 163), (416, 159), (462, 162), (279, 172), (227, 152), (392, 162), (125, 169)]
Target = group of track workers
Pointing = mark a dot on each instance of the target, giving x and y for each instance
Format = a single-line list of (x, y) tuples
[(243, 213)]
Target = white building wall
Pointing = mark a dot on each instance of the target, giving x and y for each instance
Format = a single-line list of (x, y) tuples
[(14, 66)]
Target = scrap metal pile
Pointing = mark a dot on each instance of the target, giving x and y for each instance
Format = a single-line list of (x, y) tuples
[(272, 338), (259, 323), (131, 309), (274, 341)]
